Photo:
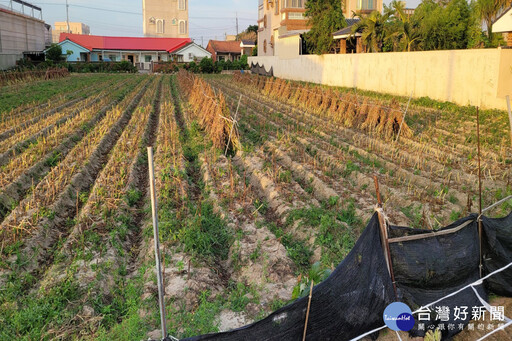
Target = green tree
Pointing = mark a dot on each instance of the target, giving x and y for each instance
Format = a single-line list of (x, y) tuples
[(488, 11), (445, 26), (325, 18), (402, 33), (373, 30), (206, 65), (54, 53)]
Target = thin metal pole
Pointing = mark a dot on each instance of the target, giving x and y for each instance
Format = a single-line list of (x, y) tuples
[(154, 212), (509, 117), (403, 119), (233, 126), (479, 188), (307, 312)]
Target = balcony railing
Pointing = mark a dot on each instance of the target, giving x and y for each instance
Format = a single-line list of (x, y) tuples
[(366, 5), (293, 4)]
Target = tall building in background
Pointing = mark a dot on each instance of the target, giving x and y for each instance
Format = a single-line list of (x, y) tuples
[(74, 28), (165, 18), (279, 19)]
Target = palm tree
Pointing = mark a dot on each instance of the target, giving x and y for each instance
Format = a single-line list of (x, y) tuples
[(404, 31), (489, 10), (372, 29)]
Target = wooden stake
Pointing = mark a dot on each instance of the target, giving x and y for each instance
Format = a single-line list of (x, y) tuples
[(384, 236), (403, 118), (307, 312), (156, 235), (233, 126), (509, 117)]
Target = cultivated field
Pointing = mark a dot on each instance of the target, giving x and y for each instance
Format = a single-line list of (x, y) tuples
[(249, 213)]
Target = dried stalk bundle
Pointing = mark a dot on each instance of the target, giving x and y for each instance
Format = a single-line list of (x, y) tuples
[(211, 110), (343, 109), (373, 119)]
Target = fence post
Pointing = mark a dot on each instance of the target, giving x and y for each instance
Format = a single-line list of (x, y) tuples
[(509, 117), (384, 235), (154, 212)]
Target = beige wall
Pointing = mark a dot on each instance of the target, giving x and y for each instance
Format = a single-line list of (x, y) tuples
[(288, 47), (170, 15), (19, 33), (476, 77), (504, 23), (74, 27)]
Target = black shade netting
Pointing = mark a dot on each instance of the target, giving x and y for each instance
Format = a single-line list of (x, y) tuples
[(431, 268), (497, 253), (352, 300), (260, 70), (348, 303)]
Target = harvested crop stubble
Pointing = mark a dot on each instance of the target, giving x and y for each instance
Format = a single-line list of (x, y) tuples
[(344, 108), (211, 111), (46, 144), (32, 209), (8, 78)]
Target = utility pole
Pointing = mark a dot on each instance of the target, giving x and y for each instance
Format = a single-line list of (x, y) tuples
[(237, 24), (67, 14)]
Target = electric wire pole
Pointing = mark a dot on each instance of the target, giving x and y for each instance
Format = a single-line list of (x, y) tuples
[(67, 14)]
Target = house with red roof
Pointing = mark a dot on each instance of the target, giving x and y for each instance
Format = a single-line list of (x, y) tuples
[(142, 52), (224, 50)]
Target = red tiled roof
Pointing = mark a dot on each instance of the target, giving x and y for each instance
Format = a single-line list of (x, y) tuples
[(126, 43), (225, 46)]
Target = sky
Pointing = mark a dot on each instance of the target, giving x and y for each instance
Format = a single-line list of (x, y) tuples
[(208, 19)]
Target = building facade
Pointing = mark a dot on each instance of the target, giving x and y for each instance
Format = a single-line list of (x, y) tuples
[(20, 35), (285, 19), (503, 24), (74, 28), (141, 52), (165, 18), (224, 50)]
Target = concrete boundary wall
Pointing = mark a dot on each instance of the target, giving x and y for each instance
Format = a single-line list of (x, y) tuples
[(480, 77)]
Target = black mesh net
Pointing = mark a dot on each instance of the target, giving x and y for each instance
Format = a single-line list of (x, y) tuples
[(352, 300)]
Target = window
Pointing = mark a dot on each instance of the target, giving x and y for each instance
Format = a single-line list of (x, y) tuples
[(182, 5), (183, 27), (277, 8), (190, 56), (265, 46), (147, 58), (159, 26), (295, 16), (220, 58), (294, 3), (175, 21), (366, 5)]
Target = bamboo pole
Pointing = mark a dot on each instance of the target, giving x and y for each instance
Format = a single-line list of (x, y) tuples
[(403, 118), (509, 117), (154, 212), (307, 312), (233, 125), (384, 235), (479, 189)]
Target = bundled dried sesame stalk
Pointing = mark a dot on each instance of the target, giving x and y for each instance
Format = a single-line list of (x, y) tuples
[(210, 110), (344, 109)]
